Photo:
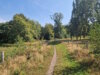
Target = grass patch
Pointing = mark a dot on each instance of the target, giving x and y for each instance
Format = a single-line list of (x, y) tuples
[(27, 58), (66, 65)]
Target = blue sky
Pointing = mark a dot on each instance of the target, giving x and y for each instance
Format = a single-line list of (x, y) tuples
[(39, 10)]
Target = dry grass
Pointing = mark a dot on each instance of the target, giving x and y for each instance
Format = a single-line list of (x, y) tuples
[(84, 57), (33, 61), (78, 51)]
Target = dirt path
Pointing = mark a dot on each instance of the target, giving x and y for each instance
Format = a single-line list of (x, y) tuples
[(53, 62)]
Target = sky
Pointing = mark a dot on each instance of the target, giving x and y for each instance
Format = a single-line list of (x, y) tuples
[(38, 10)]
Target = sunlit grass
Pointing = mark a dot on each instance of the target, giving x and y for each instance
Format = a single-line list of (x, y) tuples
[(27, 58), (66, 65)]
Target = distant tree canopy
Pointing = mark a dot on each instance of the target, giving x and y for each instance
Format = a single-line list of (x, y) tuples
[(85, 20), (22, 27), (95, 29), (36, 30), (48, 32), (29, 30), (59, 30), (85, 14), (82, 15), (19, 26)]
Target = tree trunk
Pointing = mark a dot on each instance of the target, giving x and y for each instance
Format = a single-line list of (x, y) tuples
[(80, 37), (84, 36), (71, 37)]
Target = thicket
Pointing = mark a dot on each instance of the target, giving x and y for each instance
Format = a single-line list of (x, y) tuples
[(95, 38), (19, 26), (29, 30)]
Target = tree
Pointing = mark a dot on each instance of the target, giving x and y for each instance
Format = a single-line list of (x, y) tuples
[(64, 32), (20, 26), (57, 17), (95, 29), (48, 32), (23, 27), (5, 32), (37, 30), (74, 24), (82, 15), (96, 15)]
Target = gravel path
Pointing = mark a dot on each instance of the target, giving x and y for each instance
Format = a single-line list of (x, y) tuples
[(53, 62)]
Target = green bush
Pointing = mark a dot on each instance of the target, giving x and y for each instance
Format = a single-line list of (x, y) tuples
[(95, 38), (22, 73), (16, 72), (18, 50)]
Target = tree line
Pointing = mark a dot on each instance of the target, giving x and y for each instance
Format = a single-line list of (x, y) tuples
[(85, 21), (20, 26), (84, 14), (30, 30)]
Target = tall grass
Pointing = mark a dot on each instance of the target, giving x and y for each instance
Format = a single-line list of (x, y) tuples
[(19, 49), (66, 65), (27, 58)]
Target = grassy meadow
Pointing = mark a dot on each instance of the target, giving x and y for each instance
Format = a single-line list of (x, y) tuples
[(26, 58), (73, 59)]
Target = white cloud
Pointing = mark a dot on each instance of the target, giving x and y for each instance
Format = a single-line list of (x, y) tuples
[(2, 20)]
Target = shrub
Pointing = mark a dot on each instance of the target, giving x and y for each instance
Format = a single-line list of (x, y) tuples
[(18, 50), (95, 38), (16, 72), (22, 73)]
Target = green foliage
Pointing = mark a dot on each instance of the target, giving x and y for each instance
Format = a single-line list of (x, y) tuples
[(19, 26), (82, 15), (64, 32), (16, 72), (57, 17), (23, 27), (19, 41), (5, 31), (22, 73), (67, 66), (48, 32), (95, 37), (37, 30), (30, 30), (19, 49)]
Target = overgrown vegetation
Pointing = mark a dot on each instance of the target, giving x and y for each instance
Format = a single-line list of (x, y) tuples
[(85, 13), (65, 64), (26, 53), (95, 38), (26, 59), (29, 30), (18, 49), (75, 60)]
